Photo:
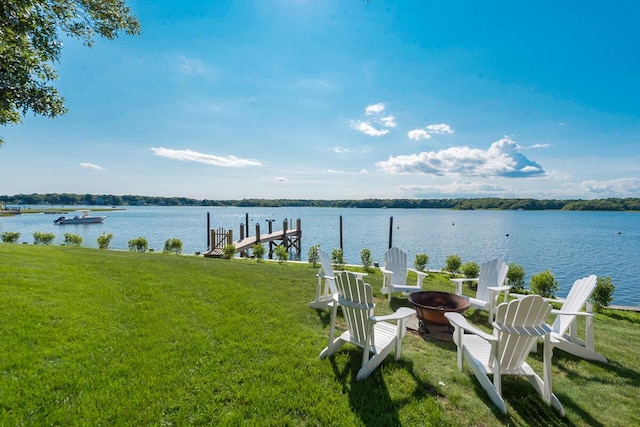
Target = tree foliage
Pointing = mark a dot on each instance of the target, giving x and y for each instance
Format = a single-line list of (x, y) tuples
[(30, 43)]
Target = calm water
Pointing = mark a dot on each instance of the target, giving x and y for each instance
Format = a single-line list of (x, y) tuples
[(570, 244)]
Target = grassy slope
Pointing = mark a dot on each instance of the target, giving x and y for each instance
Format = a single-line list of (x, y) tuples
[(102, 337)]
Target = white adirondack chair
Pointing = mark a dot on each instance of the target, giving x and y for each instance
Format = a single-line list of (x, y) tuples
[(490, 285), (374, 334), (395, 272), (518, 325), (326, 286), (564, 329)]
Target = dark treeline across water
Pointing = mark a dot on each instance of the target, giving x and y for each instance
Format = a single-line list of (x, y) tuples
[(610, 204)]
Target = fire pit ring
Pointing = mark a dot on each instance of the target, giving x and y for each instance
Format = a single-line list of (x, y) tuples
[(432, 305)]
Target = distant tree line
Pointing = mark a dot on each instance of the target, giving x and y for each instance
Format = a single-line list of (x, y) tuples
[(628, 204)]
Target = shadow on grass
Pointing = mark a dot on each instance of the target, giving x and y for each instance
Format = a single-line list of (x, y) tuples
[(370, 398), (560, 359), (324, 316)]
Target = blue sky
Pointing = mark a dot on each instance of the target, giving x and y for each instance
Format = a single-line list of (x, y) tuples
[(333, 99)]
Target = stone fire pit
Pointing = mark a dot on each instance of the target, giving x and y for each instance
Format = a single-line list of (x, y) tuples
[(432, 305)]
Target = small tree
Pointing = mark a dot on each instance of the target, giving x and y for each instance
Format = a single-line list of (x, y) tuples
[(10, 237), (544, 284), (314, 255), (281, 253), (365, 257), (71, 239), (515, 276), (40, 238), (603, 293), (421, 261), (337, 258), (470, 269), (173, 246), (258, 251), (139, 244), (104, 240), (229, 251), (453, 264)]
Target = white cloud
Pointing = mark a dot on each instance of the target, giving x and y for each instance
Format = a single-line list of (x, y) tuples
[(209, 159), (539, 146), (374, 109), (434, 129), (502, 159), (91, 166), (418, 134), (440, 128), (281, 179), (340, 150), (622, 187), (388, 122), (368, 129), (191, 66)]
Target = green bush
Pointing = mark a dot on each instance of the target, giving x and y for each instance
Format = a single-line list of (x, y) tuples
[(139, 244), (337, 258), (104, 240), (229, 251), (470, 269), (453, 264), (258, 251), (71, 239), (40, 238), (365, 257), (10, 237), (544, 284), (173, 246), (603, 293), (515, 276), (314, 255), (421, 261), (281, 253)]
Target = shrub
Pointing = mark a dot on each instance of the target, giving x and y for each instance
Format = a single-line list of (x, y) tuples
[(515, 276), (10, 237), (173, 246), (139, 244), (229, 251), (104, 240), (603, 293), (314, 255), (470, 269), (258, 251), (365, 257), (544, 284), (71, 239), (40, 238), (421, 261), (281, 253), (337, 258), (453, 264)]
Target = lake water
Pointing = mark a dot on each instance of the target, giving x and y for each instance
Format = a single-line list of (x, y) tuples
[(569, 244)]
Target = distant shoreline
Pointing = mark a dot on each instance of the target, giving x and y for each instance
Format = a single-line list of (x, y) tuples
[(101, 201)]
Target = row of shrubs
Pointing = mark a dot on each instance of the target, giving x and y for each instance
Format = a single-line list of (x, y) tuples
[(139, 244)]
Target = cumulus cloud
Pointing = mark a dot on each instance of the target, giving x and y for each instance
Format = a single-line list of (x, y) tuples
[(622, 187), (376, 124), (434, 129), (502, 159), (374, 109), (208, 159), (91, 166)]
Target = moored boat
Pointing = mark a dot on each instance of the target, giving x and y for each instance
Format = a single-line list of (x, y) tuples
[(83, 218)]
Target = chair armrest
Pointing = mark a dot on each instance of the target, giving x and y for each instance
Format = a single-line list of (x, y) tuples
[(385, 271), (498, 288), (571, 313), (418, 272), (460, 280), (401, 313), (458, 320)]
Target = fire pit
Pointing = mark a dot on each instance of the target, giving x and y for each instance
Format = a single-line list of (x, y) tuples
[(430, 309)]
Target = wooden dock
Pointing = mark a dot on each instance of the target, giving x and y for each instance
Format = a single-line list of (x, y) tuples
[(289, 237)]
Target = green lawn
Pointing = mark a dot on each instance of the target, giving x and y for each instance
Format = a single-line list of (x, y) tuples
[(91, 337)]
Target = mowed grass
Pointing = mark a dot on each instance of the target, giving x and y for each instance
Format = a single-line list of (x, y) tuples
[(91, 337)]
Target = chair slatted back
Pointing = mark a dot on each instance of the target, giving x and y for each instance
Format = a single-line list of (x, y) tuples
[(356, 300), (396, 260), (528, 315), (576, 299), (492, 273), (327, 270)]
